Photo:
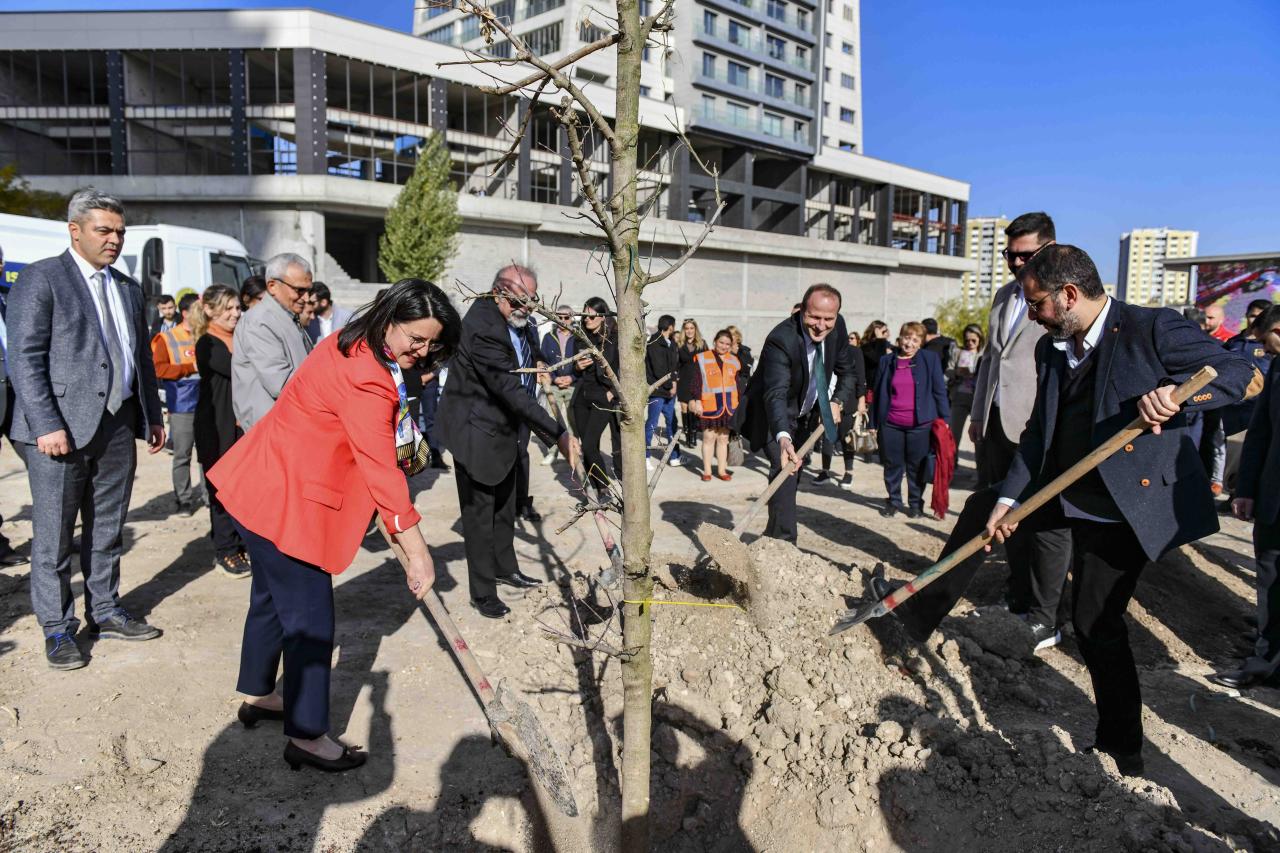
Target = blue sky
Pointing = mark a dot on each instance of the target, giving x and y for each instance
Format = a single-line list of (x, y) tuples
[(1109, 115)]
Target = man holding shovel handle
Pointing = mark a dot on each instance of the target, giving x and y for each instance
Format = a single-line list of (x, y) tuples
[(1105, 367)]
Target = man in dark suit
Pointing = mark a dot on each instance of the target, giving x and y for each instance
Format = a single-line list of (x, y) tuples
[(788, 396), (1103, 364), (84, 388), (8, 556), (482, 410)]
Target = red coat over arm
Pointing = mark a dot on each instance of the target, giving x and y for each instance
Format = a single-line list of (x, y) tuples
[(309, 475)]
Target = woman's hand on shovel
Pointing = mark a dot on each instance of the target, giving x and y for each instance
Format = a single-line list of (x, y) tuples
[(995, 529), (420, 575)]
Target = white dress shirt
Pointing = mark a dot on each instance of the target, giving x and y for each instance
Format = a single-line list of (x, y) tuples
[(115, 312)]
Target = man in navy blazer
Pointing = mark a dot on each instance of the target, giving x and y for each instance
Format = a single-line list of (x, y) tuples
[(784, 399), (1103, 364), (84, 388)]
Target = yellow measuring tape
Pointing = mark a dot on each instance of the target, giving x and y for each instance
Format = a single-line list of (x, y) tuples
[(682, 603)]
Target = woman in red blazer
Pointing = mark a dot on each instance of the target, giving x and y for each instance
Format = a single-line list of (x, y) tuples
[(301, 486)]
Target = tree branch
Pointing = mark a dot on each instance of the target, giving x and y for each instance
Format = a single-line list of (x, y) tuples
[(707, 228), (569, 119), (580, 53), (659, 20)]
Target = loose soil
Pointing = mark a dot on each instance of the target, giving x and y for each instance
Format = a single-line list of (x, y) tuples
[(769, 735)]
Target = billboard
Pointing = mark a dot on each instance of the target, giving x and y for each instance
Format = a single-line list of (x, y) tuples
[(1234, 284)]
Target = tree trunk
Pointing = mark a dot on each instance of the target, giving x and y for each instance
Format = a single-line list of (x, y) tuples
[(637, 669)]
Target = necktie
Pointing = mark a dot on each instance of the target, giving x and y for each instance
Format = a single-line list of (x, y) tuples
[(822, 389), (526, 379), (115, 351)]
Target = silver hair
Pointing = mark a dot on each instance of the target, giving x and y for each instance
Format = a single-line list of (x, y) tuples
[(86, 199), (278, 265), (564, 309), (527, 272)]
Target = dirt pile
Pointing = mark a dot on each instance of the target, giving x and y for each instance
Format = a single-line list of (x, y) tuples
[(770, 735)]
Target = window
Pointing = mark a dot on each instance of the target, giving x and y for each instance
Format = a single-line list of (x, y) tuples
[(777, 47), (543, 40), (846, 48), (435, 11), (709, 23), (470, 28), (739, 75), (441, 35), (802, 56), (826, 109), (776, 9), (772, 124), (708, 106), (846, 114), (773, 86), (708, 65), (588, 32), (802, 95), (739, 114), (644, 54), (826, 75), (645, 90), (846, 81), (826, 39), (800, 131), (537, 7), (846, 145), (739, 34), (848, 13), (802, 19)]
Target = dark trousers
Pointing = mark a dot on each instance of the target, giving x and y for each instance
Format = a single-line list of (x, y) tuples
[(226, 539), (488, 530), (782, 506), (1266, 548), (829, 449), (427, 405), (1106, 562), (592, 421), (95, 483), (20, 450), (905, 451), (1039, 554), (522, 468), (290, 615)]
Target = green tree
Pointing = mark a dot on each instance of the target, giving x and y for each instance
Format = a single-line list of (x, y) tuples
[(422, 224), (954, 314), (17, 197)]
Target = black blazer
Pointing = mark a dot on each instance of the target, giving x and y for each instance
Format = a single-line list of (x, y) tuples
[(1260, 459), (662, 358), (6, 390), (931, 389), (781, 378), (214, 423), (483, 403), (1157, 481)]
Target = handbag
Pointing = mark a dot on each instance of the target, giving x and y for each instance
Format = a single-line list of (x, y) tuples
[(737, 456), (860, 438)]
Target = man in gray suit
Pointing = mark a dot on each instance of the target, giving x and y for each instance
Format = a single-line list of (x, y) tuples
[(8, 556), (1004, 395), (84, 389), (270, 345)]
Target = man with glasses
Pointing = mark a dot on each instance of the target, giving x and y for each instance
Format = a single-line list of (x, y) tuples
[(486, 410), (559, 345), (1004, 393), (269, 343)]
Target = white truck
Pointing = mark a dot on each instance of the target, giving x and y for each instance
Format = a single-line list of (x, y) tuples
[(163, 258)]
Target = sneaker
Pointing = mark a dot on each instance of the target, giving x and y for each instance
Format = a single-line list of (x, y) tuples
[(846, 482), (62, 652), (122, 626), (915, 512), (674, 461), (888, 511), (234, 565), (548, 458), (1046, 636), (822, 476), (649, 464)]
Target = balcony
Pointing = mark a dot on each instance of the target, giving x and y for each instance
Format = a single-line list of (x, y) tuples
[(747, 123), (755, 89), (784, 21), (752, 45)]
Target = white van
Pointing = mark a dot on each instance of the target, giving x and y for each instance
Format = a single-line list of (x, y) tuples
[(163, 258)]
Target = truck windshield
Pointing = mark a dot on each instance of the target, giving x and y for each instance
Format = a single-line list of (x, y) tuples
[(227, 269)]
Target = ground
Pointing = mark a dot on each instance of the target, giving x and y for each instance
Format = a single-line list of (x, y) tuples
[(768, 734)]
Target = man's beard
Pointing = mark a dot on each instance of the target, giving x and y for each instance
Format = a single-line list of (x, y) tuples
[(518, 320), (1068, 326)]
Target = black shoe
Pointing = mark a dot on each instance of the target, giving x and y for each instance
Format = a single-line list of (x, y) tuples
[(122, 626), (519, 580), (251, 715), (491, 608), (437, 461), (915, 512), (530, 514), (186, 509), (888, 510), (11, 558), (234, 565), (295, 756), (1128, 763), (822, 477), (1046, 636), (846, 482), (1238, 680), (62, 652)]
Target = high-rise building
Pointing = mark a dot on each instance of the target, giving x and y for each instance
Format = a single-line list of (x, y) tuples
[(984, 239), (1142, 278)]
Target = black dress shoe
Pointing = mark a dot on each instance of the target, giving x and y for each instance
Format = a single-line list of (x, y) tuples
[(62, 652), (11, 558), (251, 715), (914, 512), (888, 510), (122, 626), (437, 461), (296, 757), (519, 580), (531, 515), (491, 608), (1128, 763), (1238, 680)]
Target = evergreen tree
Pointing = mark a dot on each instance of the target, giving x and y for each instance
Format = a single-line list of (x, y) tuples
[(17, 197), (422, 224)]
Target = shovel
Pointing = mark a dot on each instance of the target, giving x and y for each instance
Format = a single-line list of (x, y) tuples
[(511, 720), (893, 600), (725, 546)]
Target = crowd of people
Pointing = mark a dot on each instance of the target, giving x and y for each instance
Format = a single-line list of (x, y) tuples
[(306, 420)]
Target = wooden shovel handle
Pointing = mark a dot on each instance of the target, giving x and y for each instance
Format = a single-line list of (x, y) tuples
[(776, 483), (1202, 377)]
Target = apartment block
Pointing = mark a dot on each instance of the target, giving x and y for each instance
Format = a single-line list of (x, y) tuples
[(984, 240), (1142, 278)]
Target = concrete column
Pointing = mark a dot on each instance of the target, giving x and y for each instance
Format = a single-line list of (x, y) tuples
[(678, 191), (962, 216), (438, 104), (856, 234), (944, 235), (884, 215), (115, 102), (309, 111), (239, 127), (926, 202)]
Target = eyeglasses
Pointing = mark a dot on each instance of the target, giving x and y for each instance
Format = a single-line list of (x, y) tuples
[(565, 318), (1034, 307), (1019, 256), (416, 343), (300, 291)]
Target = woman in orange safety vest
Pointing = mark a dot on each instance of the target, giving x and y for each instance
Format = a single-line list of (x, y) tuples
[(714, 398)]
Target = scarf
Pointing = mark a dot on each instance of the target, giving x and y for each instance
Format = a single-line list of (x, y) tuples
[(412, 452), (223, 335)]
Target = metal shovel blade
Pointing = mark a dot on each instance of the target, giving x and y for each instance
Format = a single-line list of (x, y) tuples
[(855, 617), (513, 718)]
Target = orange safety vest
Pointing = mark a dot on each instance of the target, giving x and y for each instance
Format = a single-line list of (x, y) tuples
[(719, 384)]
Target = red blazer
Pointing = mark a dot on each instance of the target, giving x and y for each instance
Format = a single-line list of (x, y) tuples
[(309, 475)]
